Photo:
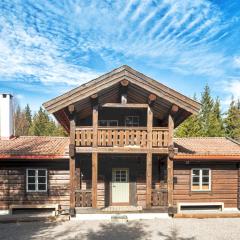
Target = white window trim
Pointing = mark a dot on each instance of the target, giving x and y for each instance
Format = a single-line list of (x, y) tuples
[(132, 116), (200, 180), (36, 178)]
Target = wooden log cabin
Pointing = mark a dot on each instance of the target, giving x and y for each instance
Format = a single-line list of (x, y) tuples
[(120, 152)]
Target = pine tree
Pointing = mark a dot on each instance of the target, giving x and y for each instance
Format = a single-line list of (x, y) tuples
[(190, 127), (232, 120), (20, 122), (43, 125)]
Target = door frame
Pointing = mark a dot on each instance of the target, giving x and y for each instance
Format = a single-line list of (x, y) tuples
[(119, 203)]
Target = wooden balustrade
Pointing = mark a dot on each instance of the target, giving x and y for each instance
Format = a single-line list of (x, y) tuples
[(159, 198), (121, 136), (83, 198)]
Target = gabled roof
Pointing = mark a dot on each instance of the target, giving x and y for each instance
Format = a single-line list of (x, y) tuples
[(38, 147), (141, 84), (34, 147)]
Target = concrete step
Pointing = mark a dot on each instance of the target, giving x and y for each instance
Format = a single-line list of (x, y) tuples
[(119, 218)]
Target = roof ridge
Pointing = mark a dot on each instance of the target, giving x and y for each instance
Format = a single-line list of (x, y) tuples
[(41, 137)]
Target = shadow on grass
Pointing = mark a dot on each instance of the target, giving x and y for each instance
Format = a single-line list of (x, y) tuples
[(132, 230)]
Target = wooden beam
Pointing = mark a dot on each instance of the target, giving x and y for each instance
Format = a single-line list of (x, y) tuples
[(151, 99), (94, 178), (95, 125), (174, 109), (129, 150), (124, 82), (170, 161), (238, 166), (127, 105), (72, 165), (149, 180), (71, 108), (149, 127), (149, 158)]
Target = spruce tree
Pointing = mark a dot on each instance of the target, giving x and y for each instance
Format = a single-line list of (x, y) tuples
[(232, 120)]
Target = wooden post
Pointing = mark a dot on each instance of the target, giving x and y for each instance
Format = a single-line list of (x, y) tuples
[(170, 161), (95, 125), (149, 158), (94, 156), (72, 161), (94, 178), (238, 166)]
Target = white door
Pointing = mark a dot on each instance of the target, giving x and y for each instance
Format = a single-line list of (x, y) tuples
[(120, 185)]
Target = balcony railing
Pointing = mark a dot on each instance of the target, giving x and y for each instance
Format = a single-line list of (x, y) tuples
[(121, 137), (159, 198), (83, 198)]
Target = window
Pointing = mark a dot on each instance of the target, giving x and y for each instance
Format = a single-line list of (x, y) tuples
[(132, 121), (108, 123), (201, 179), (36, 180)]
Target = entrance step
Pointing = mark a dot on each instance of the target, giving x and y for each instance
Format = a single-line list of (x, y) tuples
[(122, 209), (119, 218)]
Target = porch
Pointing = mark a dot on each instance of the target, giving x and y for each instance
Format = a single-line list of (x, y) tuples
[(121, 183)]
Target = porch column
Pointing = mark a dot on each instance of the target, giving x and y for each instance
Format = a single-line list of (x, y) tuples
[(94, 156), (170, 161), (238, 166), (94, 178), (72, 159), (149, 158)]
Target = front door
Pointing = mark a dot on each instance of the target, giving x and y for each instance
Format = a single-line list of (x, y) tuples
[(120, 186)]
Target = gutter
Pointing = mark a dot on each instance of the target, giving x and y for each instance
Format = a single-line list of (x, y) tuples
[(33, 157), (207, 157)]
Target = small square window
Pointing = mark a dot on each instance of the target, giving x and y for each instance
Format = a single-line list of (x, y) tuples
[(36, 180), (201, 180)]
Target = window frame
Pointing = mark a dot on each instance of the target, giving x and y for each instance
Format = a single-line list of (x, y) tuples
[(36, 170), (108, 123), (201, 180), (132, 116)]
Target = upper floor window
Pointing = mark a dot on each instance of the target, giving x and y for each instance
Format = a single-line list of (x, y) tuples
[(132, 121), (201, 179), (108, 123), (36, 180)]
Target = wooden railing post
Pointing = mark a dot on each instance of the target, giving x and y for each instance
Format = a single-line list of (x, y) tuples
[(170, 161), (95, 156), (72, 160), (149, 158)]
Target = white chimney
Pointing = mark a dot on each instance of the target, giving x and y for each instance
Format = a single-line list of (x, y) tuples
[(6, 116)]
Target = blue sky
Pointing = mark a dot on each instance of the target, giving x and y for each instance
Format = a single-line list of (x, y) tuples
[(49, 47)]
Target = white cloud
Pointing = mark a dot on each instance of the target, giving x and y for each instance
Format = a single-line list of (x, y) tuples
[(24, 53)]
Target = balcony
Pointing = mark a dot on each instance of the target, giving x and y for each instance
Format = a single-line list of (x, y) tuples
[(122, 137)]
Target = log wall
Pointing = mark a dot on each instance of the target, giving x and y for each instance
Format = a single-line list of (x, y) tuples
[(224, 181), (13, 184)]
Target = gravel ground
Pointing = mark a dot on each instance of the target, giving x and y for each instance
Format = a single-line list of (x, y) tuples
[(166, 229)]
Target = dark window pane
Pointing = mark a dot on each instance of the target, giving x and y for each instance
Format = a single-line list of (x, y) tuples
[(205, 172), (42, 187), (41, 179), (31, 187), (31, 179), (205, 179), (196, 172), (41, 173), (31, 172)]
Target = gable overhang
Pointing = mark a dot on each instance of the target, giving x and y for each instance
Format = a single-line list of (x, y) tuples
[(108, 84)]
